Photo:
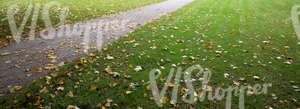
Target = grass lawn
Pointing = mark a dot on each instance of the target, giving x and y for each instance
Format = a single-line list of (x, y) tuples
[(248, 41), (79, 10)]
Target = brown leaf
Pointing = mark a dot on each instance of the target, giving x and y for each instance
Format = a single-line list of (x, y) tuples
[(70, 94), (60, 81), (93, 87)]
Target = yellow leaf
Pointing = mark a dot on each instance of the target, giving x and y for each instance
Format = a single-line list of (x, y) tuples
[(76, 67), (5, 53), (171, 85), (28, 94), (52, 57), (153, 28), (12, 90), (200, 94), (128, 92), (209, 88), (182, 91), (148, 87), (165, 99)]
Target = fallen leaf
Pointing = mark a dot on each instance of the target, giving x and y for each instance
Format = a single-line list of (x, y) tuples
[(93, 87), (183, 91), (148, 87), (60, 88), (256, 77), (44, 90), (128, 92), (72, 107), (110, 57), (138, 68), (37, 102), (60, 81), (108, 100), (52, 57), (226, 75), (70, 94), (171, 85), (18, 88), (5, 54)]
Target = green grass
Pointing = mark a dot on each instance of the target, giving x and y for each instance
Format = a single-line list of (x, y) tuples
[(239, 27), (79, 10)]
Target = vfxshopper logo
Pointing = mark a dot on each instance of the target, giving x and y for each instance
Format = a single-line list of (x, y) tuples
[(193, 94), (295, 18)]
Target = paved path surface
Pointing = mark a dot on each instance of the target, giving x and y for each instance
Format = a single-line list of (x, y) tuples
[(21, 63)]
